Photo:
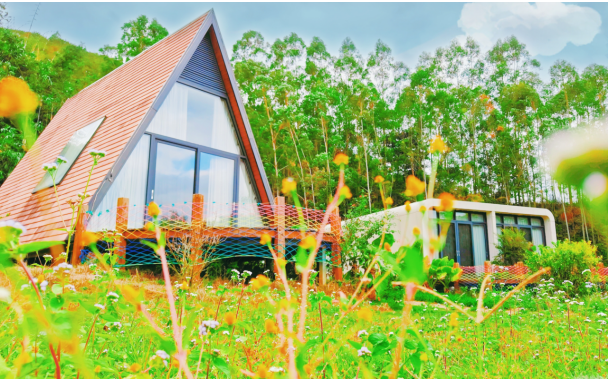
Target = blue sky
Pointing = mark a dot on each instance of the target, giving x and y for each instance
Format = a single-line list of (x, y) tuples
[(575, 32)]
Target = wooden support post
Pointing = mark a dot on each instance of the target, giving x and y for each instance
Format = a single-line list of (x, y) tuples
[(280, 224), (336, 249), (78, 230), (197, 235), (122, 222), (457, 283)]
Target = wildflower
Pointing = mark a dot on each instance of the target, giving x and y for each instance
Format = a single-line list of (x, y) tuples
[(438, 145), (162, 354), (364, 351), (265, 239), (134, 368), (408, 206), (454, 320), (149, 226), (61, 160), (341, 159), (416, 231), (387, 247), (500, 128), (241, 339), (16, 97), (271, 326), (308, 243), (49, 167), (153, 210), (365, 314), (289, 185), (43, 285), (262, 372), (230, 318), (47, 257), (424, 357), (5, 295), (11, 224), (96, 152), (276, 369), (447, 201), (413, 186), (97, 369), (362, 332), (308, 369), (388, 201), (226, 333), (345, 192), (89, 238), (259, 282), (422, 209), (100, 306), (378, 179), (71, 287)]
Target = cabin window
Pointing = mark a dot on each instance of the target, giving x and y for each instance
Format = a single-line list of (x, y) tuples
[(532, 227), (466, 241), (70, 152)]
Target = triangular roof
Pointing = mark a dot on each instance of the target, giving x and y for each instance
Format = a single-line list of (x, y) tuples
[(128, 98)]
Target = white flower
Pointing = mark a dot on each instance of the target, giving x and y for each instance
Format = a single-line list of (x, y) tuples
[(276, 369), (5, 295), (49, 166), (113, 295), (43, 285), (47, 257), (162, 354), (61, 159), (247, 272), (226, 333), (364, 351), (202, 329), (241, 339), (117, 324), (13, 224), (100, 306), (24, 286), (63, 266), (361, 333), (71, 287), (211, 287), (95, 152), (390, 333)]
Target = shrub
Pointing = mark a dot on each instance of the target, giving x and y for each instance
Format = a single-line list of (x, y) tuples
[(570, 263), (512, 247)]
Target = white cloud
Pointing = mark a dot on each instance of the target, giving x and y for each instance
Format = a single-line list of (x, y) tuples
[(545, 28)]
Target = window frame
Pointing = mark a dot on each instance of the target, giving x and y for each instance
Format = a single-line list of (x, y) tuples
[(502, 225), (469, 222)]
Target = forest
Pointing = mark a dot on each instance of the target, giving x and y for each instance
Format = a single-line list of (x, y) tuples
[(306, 104)]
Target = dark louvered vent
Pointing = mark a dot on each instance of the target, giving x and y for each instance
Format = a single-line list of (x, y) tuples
[(203, 70)]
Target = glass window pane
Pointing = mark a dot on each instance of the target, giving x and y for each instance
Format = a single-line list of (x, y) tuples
[(462, 216), (477, 217), (536, 222), (432, 214), (509, 220), (248, 211), (465, 245), (198, 117), (174, 183), (479, 244), (537, 237), (522, 221), (498, 230), (442, 215), (527, 233), (499, 218), (450, 244), (216, 184), (70, 152)]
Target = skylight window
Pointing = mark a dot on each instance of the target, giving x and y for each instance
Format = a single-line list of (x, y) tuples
[(70, 153)]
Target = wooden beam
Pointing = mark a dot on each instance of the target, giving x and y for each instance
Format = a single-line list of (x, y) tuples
[(78, 230), (122, 223), (197, 230)]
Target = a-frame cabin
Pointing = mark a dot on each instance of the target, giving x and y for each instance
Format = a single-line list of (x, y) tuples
[(174, 129)]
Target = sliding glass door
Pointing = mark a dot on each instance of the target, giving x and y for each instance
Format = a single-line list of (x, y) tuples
[(466, 240)]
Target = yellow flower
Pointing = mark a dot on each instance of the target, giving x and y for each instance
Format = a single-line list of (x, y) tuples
[(422, 209), (416, 231), (230, 318), (22, 359), (134, 368), (447, 201), (185, 286), (345, 192), (263, 372), (97, 369), (308, 369), (16, 97), (388, 201), (454, 319), (174, 362), (271, 326), (40, 278), (281, 262), (424, 357), (308, 243), (365, 314), (413, 186), (289, 185), (438, 145), (408, 206), (341, 159), (265, 239), (378, 179), (149, 226), (387, 247), (89, 238), (153, 209), (259, 282)]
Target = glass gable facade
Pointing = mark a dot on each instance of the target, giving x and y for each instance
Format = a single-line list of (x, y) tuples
[(532, 227), (467, 238)]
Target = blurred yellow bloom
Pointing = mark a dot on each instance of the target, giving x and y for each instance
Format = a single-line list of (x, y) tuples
[(265, 239), (378, 179), (438, 145), (345, 192), (22, 359), (308, 369), (289, 185), (271, 326), (185, 286), (89, 238), (308, 243), (134, 368), (341, 159), (97, 369), (149, 226), (454, 319), (408, 206), (413, 186), (422, 208), (230, 318), (281, 262), (447, 201), (416, 231), (365, 314), (16, 97), (263, 372), (387, 247), (259, 282), (153, 209), (40, 278), (174, 362), (424, 357), (388, 201)]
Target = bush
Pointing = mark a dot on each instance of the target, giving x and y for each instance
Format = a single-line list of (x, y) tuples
[(570, 263), (512, 247)]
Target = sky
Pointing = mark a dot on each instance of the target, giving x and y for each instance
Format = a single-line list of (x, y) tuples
[(574, 32)]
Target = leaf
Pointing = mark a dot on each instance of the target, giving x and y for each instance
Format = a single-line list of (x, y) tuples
[(415, 361), (57, 303), (355, 345), (376, 338), (388, 238), (411, 267), (57, 289), (151, 245), (3, 368), (27, 248), (168, 345), (222, 365)]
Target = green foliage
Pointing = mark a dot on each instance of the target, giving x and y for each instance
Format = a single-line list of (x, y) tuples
[(138, 35), (570, 262), (512, 247), (442, 271)]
